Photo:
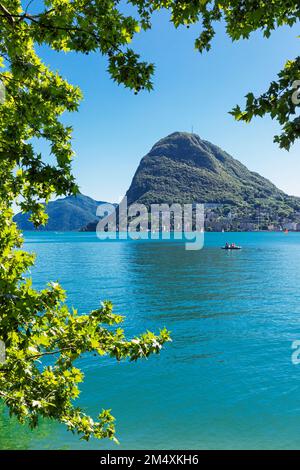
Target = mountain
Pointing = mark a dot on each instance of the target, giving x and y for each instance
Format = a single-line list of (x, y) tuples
[(67, 214), (184, 168)]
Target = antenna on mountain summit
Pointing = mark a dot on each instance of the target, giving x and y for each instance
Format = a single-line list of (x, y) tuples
[(192, 129)]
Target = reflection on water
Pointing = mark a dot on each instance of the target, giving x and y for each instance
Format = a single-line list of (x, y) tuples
[(226, 381)]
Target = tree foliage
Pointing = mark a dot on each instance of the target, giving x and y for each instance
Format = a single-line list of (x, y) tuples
[(42, 336)]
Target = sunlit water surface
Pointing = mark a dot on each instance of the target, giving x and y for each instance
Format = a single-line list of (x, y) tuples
[(226, 381)]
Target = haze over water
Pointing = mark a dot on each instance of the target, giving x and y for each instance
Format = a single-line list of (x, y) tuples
[(226, 380)]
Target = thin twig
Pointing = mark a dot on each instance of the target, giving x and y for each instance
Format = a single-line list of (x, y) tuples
[(51, 353), (7, 14)]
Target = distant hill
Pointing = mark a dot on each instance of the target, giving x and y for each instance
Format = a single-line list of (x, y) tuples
[(184, 168), (67, 214)]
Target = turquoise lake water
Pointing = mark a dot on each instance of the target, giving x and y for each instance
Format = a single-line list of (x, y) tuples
[(226, 381)]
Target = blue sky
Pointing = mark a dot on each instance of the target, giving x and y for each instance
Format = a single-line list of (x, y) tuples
[(114, 128)]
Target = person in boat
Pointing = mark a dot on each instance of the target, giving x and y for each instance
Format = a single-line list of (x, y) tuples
[(226, 245), (232, 245)]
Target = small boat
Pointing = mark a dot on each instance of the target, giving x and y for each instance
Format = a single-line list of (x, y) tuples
[(235, 247)]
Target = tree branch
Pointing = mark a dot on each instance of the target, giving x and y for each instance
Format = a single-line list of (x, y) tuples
[(7, 14), (51, 353)]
